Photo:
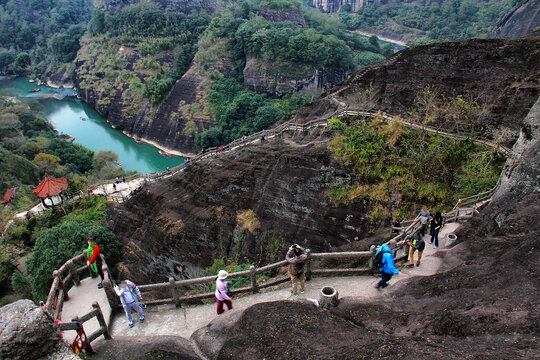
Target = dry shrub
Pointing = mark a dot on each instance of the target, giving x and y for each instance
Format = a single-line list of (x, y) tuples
[(248, 220)]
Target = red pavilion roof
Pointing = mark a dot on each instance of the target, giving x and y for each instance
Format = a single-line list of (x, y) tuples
[(50, 187), (8, 196)]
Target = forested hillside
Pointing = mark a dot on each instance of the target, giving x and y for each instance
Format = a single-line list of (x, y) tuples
[(38, 35), (429, 21), (192, 80)]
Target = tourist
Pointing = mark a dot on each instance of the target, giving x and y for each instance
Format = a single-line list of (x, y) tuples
[(114, 186), (223, 295), (436, 225), (94, 261), (423, 216), (244, 138), (296, 257), (130, 296), (116, 180), (396, 226), (416, 241), (388, 268), (123, 179)]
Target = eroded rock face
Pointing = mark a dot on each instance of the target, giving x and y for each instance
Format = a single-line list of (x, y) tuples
[(483, 304), (192, 218), (26, 331), (284, 15), (502, 76), (522, 20), (280, 79)]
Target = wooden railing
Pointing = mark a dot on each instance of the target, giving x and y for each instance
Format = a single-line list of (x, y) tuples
[(177, 288), (77, 324), (58, 293)]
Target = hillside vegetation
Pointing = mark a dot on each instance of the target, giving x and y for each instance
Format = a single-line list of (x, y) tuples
[(430, 21)]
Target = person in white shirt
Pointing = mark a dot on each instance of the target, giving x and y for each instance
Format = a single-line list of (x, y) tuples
[(130, 296)]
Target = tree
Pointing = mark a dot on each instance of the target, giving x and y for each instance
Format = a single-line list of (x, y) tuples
[(47, 165), (22, 62), (57, 245), (102, 158)]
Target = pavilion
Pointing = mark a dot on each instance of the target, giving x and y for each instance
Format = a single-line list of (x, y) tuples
[(53, 189)]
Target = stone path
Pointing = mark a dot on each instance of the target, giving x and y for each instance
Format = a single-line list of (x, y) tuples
[(168, 320), (80, 303)]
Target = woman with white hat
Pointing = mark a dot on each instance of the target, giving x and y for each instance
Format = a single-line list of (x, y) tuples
[(222, 292)]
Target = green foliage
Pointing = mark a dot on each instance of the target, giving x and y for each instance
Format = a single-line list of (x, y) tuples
[(230, 266), (424, 168), (434, 20), (6, 269), (241, 112), (48, 32), (21, 284), (57, 245)]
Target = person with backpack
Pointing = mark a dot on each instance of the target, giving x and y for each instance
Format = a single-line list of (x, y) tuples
[(385, 262), (131, 298), (436, 227), (296, 257), (416, 242), (94, 261), (223, 295)]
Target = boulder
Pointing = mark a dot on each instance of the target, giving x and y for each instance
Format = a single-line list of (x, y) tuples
[(26, 331)]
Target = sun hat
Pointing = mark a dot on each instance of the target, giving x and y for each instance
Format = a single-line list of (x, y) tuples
[(222, 274)]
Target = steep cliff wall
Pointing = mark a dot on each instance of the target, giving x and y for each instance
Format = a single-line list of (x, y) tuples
[(501, 76), (111, 79), (192, 218), (522, 20), (279, 79)]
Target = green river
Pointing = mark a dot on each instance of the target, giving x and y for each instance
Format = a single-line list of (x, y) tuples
[(65, 112)]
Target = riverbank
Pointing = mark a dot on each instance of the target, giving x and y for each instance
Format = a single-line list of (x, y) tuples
[(161, 147)]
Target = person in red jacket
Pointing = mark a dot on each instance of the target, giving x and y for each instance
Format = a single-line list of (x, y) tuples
[(94, 261)]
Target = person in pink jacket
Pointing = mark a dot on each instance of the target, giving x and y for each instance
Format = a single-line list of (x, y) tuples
[(221, 292)]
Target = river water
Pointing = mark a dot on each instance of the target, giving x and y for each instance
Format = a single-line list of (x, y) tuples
[(64, 110)]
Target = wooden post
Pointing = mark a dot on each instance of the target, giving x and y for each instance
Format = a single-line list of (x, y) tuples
[(372, 250), (254, 287), (112, 298), (174, 293), (73, 272), (101, 320), (61, 285), (88, 347), (308, 266)]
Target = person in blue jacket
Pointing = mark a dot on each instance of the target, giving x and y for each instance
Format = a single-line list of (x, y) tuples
[(388, 269), (131, 298)]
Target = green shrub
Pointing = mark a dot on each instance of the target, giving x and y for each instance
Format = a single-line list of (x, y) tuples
[(57, 245)]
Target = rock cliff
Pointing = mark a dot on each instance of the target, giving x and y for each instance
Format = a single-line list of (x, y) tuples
[(280, 79), (501, 76), (522, 20), (120, 99), (483, 303), (196, 216), (192, 218), (26, 331)]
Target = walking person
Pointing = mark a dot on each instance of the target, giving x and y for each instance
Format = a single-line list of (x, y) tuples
[(296, 257), (387, 266), (94, 262), (222, 292), (416, 242), (423, 216), (131, 298), (437, 225)]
